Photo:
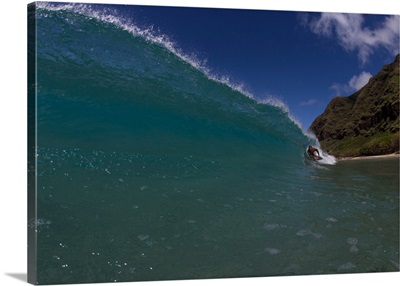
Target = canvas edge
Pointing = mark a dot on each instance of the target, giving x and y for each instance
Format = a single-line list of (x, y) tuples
[(31, 164)]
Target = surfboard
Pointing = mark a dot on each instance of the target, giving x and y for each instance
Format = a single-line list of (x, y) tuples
[(315, 157)]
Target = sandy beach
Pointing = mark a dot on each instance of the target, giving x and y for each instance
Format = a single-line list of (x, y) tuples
[(393, 155)]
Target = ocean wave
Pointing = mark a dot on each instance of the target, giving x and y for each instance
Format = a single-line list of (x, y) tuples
[(104, 78), (111, 16)]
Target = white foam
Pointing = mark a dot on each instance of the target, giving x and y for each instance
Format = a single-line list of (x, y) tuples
[(279, 103), (274, 101), (326, 158)]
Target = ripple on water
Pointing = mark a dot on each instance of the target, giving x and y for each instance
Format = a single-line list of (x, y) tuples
[(331, 219), (273, 226), (395, 264), (347, 266), (354, 248), (272, 251), (318, 235), (303, 232), (143, 236), (352, 240)]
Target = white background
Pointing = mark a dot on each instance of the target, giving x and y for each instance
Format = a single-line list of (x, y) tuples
[(13, 182)]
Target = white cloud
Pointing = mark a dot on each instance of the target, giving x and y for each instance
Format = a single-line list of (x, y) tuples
[(354, 84), (340, 89), (358, 81), (353, 35), (308, 102)]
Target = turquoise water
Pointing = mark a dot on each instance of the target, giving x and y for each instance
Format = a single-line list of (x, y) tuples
[(149, 168)]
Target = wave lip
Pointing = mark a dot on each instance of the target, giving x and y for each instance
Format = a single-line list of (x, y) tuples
[(106, 15)]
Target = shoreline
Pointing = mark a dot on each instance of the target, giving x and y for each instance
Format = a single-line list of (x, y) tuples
[(393, 155)]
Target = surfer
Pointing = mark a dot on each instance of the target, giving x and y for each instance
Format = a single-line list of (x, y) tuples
[(313, 153)]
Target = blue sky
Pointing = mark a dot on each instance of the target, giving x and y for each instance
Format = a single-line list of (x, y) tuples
[(302, 59)]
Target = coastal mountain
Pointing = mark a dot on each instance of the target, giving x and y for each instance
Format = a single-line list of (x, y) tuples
[(366, 122)]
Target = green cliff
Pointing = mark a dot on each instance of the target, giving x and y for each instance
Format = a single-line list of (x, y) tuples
[(366, 122)]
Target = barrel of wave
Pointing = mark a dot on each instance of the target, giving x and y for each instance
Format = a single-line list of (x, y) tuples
[(327, 159)]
